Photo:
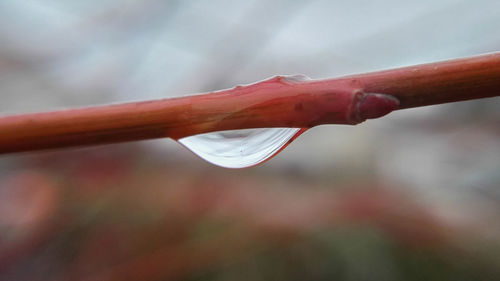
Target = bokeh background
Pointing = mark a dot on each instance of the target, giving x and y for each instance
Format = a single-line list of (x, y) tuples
[(412, 196)]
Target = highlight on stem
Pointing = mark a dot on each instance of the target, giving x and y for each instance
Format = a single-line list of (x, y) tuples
[(272, 112)]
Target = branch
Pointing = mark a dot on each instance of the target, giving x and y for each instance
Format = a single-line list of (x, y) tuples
[(292, 101)]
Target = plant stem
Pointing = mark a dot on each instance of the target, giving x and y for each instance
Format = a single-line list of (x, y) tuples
[(277, 102), (435, 83)]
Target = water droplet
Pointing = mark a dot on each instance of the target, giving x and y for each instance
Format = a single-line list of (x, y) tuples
[(240, 148)]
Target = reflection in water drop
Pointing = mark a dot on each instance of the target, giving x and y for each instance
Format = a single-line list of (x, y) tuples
[(240, 148)]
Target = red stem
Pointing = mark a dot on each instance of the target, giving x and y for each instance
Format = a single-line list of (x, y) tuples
[(277, 102)]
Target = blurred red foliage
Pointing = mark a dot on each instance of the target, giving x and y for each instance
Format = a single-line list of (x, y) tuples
[(125, 215)]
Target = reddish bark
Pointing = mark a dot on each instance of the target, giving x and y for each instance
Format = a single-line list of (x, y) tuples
[(277, 102)]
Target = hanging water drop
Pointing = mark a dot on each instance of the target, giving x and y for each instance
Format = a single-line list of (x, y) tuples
[(240, 148)]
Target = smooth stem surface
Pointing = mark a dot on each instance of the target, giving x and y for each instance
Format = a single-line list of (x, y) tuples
[(277, 102), (435, 83)]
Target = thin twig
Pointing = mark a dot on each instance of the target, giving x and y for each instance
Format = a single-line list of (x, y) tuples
[(277, 102)]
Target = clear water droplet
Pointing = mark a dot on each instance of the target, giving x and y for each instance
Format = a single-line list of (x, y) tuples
[(240, 148)]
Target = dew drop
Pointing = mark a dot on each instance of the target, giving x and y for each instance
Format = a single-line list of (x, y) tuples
[(240, 148)]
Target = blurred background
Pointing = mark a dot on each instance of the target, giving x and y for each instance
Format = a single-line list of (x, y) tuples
[(412, 196)]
